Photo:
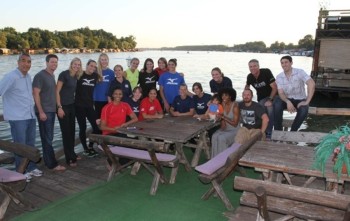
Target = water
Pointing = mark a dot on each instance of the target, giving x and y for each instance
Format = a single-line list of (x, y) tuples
[(195, 65)]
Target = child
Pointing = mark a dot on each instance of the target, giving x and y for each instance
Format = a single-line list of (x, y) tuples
[(214, 108)]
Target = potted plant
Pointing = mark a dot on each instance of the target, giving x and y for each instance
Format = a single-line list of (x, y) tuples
[(337, 145)]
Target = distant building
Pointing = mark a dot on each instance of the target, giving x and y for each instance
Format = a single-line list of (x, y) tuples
[(5, 51)]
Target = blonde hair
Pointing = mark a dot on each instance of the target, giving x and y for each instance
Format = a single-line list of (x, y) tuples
[(99, 66), (80, 71)]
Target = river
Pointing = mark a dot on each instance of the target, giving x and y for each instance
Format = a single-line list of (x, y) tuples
[(196, 65)]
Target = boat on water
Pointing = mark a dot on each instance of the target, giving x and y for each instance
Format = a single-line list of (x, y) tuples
[(331, 61)]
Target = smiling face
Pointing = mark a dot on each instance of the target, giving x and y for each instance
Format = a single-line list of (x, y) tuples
[(134, 64), (254, 69), (76, 66), (149, 66), (286, 65), (24, 64), (197, 90), (52, 64), (162, 65), (171, 66), (104, 62), (117, 95), (216, 75), (137, 94), (91, 67), (118, 72), (247, 96), (226, 98), (152, 94)]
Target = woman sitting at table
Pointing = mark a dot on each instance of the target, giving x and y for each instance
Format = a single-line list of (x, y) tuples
[(113, 115), (225, 136), (150, 107)]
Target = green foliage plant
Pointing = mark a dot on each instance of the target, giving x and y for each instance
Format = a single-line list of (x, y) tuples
[(338, 144)]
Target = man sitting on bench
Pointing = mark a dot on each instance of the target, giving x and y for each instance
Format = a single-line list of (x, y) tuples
[(253, 117)]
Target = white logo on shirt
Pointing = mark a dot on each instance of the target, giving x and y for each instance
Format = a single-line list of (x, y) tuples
[(149, 80), (200, 105), (171, 81), (87, 82)]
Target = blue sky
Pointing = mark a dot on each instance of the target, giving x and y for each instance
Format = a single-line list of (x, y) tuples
[(163, 23)]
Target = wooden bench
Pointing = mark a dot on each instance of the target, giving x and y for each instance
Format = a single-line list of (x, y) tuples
[(216, 170), (12, 182), (128, 148), (290, 201)]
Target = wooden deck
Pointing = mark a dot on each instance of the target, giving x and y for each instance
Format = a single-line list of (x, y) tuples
[(53, 186)]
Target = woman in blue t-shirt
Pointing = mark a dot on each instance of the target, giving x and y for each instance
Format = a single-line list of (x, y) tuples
[(106, 75), (169, 84)]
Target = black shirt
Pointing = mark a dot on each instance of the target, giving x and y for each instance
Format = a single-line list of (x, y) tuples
[(147, 81), (262, 84), (85, 89), (216, 87)]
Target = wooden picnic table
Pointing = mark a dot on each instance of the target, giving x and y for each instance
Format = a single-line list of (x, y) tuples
[(177, 130), (268, 157)]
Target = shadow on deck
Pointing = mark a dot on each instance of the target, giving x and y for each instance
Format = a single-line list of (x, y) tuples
[(53, 186)]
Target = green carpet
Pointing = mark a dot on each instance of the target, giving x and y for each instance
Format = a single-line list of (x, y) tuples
[(127, 197)]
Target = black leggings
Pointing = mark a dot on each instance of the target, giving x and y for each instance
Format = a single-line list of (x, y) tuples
[(83, 113)]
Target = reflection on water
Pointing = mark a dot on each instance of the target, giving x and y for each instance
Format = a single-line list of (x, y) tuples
[(325, 123)]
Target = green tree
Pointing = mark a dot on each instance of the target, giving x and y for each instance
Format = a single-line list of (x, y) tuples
[(307, 42), (3, 40)]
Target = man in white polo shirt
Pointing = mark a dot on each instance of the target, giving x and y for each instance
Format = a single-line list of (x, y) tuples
[(292, 96)]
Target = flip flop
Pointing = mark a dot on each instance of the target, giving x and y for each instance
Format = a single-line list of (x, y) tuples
[(59, 168)]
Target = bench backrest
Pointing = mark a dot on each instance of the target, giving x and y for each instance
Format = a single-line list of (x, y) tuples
[(231, 162), (128, 142), (297, 136)]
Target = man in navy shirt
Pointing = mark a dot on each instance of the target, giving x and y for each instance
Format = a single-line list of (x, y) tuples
[(182, 105)]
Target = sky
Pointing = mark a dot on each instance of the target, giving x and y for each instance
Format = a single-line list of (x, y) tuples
[(164, 23)]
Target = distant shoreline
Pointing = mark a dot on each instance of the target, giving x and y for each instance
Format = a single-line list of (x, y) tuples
[(6, 51)]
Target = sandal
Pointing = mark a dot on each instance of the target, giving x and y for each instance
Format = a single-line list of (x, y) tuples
[(59, 168)]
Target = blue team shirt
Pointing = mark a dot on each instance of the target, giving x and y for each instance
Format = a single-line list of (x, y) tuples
[(101, 89), (171, 85)]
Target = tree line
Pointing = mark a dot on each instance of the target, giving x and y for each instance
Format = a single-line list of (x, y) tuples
[(306, 44), (36, 38)]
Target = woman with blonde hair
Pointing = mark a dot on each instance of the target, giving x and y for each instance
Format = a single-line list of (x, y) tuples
[(106, 75), (65, 91), (132, 73)]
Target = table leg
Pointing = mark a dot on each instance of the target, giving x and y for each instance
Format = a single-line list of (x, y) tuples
[(181, 155), (157, 165)]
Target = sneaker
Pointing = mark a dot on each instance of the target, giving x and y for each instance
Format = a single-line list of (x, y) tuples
[(86, 152), (36, 172), (92, 153), (28, 177)]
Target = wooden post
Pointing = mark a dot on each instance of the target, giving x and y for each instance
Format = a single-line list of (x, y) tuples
[(260, 193)]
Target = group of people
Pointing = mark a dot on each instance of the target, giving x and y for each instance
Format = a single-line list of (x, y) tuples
[(110, 99)]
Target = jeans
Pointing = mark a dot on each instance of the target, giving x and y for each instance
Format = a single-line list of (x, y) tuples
[(46, 134), (81, 114), (67, 125), (23, 132), (280, 105), (270, 113)]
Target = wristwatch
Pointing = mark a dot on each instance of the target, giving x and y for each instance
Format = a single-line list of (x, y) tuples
[(59, 106), (271, 98)]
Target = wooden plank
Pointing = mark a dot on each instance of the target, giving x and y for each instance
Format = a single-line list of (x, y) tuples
[(298, 136), (295, 208), (307, 195), (329, 111)]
